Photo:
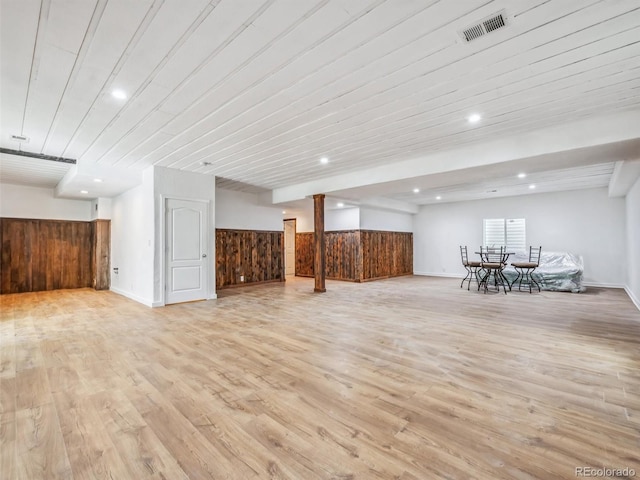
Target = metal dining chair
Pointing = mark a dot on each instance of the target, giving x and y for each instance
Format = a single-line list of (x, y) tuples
[(525, 269), (471, 266), (493, 261)]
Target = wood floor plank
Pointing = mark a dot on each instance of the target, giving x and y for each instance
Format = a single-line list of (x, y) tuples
[(407, 378), (41, 450), (139, 448)]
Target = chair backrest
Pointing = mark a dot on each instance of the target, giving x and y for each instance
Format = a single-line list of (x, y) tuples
[(534, 255), (493, 255), (463, 254)]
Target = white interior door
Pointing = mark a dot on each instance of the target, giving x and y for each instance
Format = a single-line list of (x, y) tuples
[(186, 251), (290, 247)]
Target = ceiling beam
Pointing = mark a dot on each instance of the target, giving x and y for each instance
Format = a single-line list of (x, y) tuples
[(581, 134)]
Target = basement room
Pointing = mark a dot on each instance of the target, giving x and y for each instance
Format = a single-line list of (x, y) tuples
[(319, 239)]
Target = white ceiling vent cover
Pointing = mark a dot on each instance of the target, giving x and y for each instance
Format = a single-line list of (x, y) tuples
[(488, 25)]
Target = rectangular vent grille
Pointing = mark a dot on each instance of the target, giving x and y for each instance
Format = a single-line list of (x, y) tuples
[(493, 23), (20, 138), (483, 27)]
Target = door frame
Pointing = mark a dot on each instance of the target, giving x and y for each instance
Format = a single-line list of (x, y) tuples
[(284, 250), (162, 252)]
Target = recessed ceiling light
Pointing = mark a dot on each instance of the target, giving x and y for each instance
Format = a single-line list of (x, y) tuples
[(84, 191), (324, 160), (416, 190), (284, 211), (474, 118), (119, 94), (340, 204), (97, 180), (522, 175), (438, 197), (532, 186)]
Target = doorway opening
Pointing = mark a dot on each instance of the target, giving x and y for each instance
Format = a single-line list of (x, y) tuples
[(290, 246)]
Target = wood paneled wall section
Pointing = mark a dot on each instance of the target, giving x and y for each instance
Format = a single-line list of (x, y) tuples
[(304, 254), (52, 254), (257, 255), (342, 250), (386, 254), (101, 238), (358, 255)]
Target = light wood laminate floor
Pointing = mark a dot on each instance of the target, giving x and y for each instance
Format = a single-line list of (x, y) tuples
[(407, 378)]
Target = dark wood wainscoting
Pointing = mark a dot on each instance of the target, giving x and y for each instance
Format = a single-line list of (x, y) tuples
[(248, 257), (342, 250), (304, 254), (386, 254), (52, 254), (358, 255)]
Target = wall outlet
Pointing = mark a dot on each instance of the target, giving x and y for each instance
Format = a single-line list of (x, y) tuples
[(242, 278), (115, 270)]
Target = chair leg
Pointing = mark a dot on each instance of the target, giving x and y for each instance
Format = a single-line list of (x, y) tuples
[(468, 274), (534, 281)]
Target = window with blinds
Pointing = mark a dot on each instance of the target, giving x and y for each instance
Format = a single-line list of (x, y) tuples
[(504, 232)]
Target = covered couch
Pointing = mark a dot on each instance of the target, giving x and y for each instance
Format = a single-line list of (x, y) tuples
[(558, 271)]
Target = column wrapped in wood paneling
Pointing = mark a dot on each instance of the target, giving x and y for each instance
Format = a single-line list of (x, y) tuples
[(101, 254), (248, 256)]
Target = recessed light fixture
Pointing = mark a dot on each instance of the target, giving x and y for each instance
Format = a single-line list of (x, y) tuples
[(416, 190), (324, 160), (284, 211), (119, 94), (438, 197), (97, 180), (84, 191), (340, 204), (474, 118), (522, 175), (532, 186)]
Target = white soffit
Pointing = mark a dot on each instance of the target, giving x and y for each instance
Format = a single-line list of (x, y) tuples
[(23, 170)]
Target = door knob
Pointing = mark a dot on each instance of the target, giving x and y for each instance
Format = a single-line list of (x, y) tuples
[(204, 255)]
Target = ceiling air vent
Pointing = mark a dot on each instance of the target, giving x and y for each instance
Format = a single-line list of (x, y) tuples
[(20, 138), (488, 25)]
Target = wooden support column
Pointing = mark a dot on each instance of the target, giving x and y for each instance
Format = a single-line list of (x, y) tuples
[(101, 254), (318, 243)]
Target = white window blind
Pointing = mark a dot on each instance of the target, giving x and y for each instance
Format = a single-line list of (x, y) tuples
[(501, 232)]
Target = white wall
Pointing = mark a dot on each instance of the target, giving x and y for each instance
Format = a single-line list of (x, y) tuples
[(585, 222), (354, 218), (341, 219), (101, 208), (19, 201), (171, 183), (132, 242), (371, 219), (242, 211), (633, 243)]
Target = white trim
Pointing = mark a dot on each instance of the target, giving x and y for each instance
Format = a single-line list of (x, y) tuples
[(213, 296), (602, 285), (433, 274), (634, 299), (133, 297)]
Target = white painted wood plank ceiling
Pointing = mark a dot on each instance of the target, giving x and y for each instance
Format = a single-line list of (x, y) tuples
[(261, 89)]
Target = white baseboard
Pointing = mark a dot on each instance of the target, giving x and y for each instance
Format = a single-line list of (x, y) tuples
[(213, 296), (433, 274), (634, 299), (133, 297), (603, 285)]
